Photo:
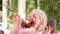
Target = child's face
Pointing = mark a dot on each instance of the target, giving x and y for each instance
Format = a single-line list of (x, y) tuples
[(34, 18)]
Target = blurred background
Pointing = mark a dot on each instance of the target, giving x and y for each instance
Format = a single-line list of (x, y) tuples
[(50, 7), (0, 10)]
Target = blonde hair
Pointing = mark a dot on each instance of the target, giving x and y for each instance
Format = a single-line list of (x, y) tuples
[(43, 17)]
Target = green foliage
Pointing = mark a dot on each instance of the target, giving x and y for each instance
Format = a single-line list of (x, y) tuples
[(13, 9), (51, 7), (0, 1), (14, 5), (58, 25), (31, 4)]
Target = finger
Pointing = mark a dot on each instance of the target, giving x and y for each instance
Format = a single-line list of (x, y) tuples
[(15, 21), (17, 17), (46, 28), (50, 28), (19, 21)]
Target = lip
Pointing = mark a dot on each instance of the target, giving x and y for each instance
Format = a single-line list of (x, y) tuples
[(26, 24)]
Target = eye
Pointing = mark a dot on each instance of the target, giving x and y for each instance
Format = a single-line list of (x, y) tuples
[(34, 16)]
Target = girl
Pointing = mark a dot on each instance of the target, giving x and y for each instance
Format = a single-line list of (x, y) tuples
[(35, 19)]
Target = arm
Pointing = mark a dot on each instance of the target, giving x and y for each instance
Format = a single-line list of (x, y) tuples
[(29, 31), (17, 23), (18, 29)]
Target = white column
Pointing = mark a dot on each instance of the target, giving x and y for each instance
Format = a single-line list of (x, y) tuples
[(4, 13), (21, 8)]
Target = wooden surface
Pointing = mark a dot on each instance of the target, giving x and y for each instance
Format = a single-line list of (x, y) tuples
[(52, 22)]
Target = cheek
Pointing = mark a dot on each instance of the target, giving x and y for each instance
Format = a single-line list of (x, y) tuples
[(28, 19), (41, 22)]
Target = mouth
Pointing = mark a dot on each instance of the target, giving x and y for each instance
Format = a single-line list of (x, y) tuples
[(26, 24)]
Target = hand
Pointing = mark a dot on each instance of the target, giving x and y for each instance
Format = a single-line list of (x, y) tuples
[(17, 20), (18, 29), (17, 23), (48, 30)]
